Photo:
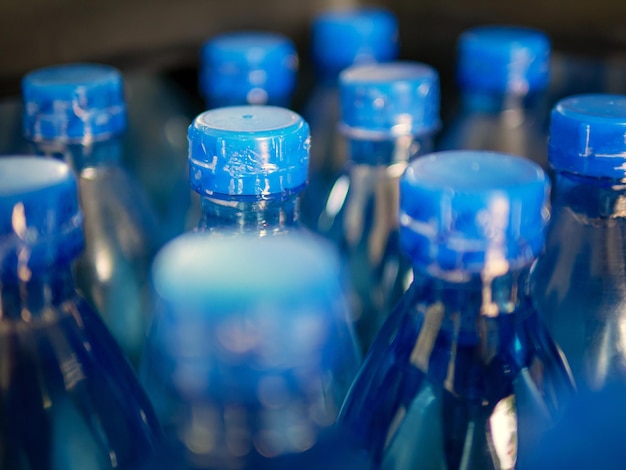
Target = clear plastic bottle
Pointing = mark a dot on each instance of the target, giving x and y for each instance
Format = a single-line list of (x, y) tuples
[(389, 115), (339, 39), (247, 67), (249, 164), (502, 73), (580, 282), (76, 113), (249, 354), (70, 400), (463, 374)]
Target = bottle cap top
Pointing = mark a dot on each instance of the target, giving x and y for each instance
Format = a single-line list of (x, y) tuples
[(256, 151), (587, 135), (472, 211), (39, 210), (344, 38), (503, 59), (75, 103), (397, 98), (248, 67)]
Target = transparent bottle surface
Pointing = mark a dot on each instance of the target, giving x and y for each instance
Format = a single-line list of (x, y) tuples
[(580, 282), (360, 216), (70, 399), (512, 124), (121, 238), (462, 375), (247, 383)]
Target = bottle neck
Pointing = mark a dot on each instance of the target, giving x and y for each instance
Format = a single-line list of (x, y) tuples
[(83, 155), (260, 98), (266, 217), (589, 197), (28, 293), (389, 152), (498, 102)]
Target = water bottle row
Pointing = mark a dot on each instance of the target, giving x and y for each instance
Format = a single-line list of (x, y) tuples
[(251, 351)]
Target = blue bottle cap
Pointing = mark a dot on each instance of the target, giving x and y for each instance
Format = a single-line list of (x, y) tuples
[(248, 67), (587, 135), (75, 103), (40, 219), (250, 151), (473, 211), (387, 100), (344, 38), (503, 59)]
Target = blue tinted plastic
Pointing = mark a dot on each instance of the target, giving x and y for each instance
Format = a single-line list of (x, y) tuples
[(70, 400), (459, 210), (253, 335), (587, 135), (120, 228), (248, 68), (73, 103), (258, 152), (391, 99), (503, 58), (450, 381), (343, 38)]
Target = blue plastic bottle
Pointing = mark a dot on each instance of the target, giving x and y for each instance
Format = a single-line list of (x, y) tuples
[(249, 355), (254, 68), (69, 400), (77, 113), (580, 282), (389, 115), (463, 374), (249, 165), (502, 73), (339, 39)]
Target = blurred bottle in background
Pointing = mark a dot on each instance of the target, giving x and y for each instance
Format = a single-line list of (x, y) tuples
[(580, 281), (463, 375), (77, 113), (70, 400), (389, 114), (502, 74), (339, 39), (254, 68), (249, 355)]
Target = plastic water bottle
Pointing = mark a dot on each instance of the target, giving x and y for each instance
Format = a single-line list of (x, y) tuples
[(389, 115), (69, 400), (249, 165), (339, 39), (463, 374), (77, 113), (580, 282), (250, 353), (254, 68), (502, 73)]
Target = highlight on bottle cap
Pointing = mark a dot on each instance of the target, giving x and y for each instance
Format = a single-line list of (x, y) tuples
[(347, 37), (260, 152), (40, 218), (503, 59), (388, 100), (75, 103), (473, 211), (248, 67), (588, 135)]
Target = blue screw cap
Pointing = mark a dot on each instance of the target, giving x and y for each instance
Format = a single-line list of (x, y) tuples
[(397, 98), (503, 59), (344, 38), (471, 211), (248, 67), (74, 103), (39, 210), (248, 151), (588, 135)]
